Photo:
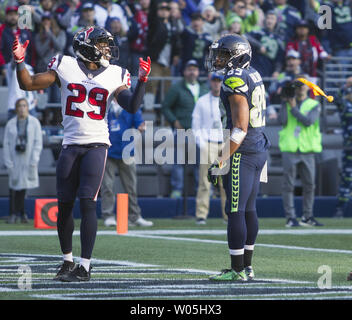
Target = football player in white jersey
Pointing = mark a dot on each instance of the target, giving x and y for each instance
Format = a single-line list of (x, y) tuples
[(88, 84)]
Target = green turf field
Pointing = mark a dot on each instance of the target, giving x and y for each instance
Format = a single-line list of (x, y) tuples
[(173, 260)]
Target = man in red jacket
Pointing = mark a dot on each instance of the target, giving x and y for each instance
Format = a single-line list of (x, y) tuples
[(309, 48)]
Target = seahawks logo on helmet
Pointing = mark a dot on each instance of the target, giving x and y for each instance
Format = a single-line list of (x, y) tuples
[(229, 52), (88, 45)]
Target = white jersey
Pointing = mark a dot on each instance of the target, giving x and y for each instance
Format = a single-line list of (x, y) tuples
[(85, 98)]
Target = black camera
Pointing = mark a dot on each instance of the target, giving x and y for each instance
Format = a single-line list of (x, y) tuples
[(289, 90), (20, 145)]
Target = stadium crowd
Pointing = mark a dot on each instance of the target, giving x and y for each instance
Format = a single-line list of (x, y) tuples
[(174, 32), (284, 36)]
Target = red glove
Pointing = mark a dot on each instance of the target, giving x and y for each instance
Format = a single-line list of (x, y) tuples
[(144, 69), (19, 50)]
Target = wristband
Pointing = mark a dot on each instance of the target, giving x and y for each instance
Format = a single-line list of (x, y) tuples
[(20, 66)]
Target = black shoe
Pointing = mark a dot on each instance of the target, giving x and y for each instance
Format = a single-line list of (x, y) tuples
[(65, 269), (292, 222), (338, 213), (24, 218), (76, 275), (12, 219), (201, 221), (311, 222)]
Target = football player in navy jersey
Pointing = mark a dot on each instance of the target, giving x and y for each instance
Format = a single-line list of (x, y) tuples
[(243, 96), (88, 83)]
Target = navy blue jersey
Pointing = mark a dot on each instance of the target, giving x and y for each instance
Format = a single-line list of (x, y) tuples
[(248, 83)]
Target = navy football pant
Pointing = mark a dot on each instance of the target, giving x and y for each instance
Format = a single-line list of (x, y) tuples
[(241, 184), (79, 172)]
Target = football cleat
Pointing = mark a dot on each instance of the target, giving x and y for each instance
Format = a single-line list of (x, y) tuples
[(77, 275), (249, 272), (230, 275), (66, 268)]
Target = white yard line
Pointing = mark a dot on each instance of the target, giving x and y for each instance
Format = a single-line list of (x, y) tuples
[(183, 232), (154, 234)]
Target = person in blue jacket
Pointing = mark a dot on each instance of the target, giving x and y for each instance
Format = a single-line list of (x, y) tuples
[(119, 121)]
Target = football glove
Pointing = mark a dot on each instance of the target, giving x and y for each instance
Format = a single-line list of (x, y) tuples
[(214, 172), (144, 69), (19, 50)]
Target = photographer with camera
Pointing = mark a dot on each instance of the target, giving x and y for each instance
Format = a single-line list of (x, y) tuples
[(22, 147), (299, 141)]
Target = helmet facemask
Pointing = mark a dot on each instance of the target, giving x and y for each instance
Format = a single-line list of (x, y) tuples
[(221, 59), (217, 59), (98, 50), (107, 50)]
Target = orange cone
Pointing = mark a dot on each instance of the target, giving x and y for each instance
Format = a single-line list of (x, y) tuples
[(122, 213)]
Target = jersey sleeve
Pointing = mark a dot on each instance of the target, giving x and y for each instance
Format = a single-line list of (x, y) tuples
[(54, 63), (236, 83)]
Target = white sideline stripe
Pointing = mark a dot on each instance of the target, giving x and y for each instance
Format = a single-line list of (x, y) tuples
[(225, 242), (143, 234), (182, 232)]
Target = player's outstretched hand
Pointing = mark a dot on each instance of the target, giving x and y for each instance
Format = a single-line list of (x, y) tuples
[(144, 69), (214, 172), (19, 50)]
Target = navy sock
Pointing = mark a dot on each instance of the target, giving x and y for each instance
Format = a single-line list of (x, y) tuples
[(88, 226), (65, 226)]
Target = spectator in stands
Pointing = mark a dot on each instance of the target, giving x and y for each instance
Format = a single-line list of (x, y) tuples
[(105, 9), (343, 101), (268, 47), (195, 43), (49, 41), (162, 47), (122, 38), (214, 22), (287, 16), (177, 108), (338, 40), (299, 141), (292, 69), (15, 92), (138, 46), (249, 18), (84, 19), (178, 25), (207, 129), (309, 48), (9, 30), (46, 7), (188, 7), (119, 121), (66, 11), (22, 146), (235, 26)]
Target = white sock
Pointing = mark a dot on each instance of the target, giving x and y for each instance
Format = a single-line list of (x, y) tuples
[(68, 257), (85, 263)]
